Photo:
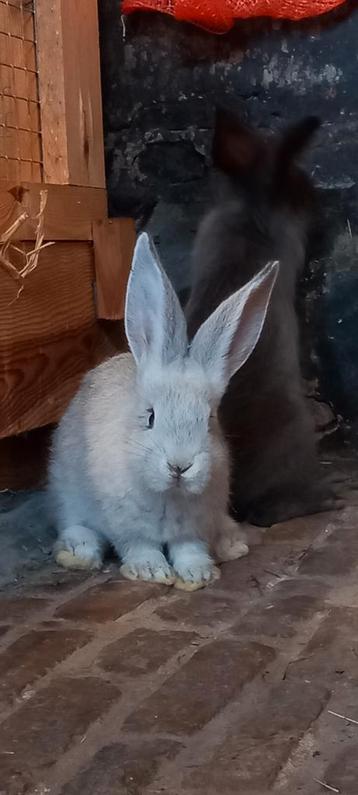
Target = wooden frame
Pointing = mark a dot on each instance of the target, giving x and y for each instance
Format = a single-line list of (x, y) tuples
[(50, 329)]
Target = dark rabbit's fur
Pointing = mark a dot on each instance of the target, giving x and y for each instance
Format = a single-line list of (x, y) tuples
[(266, 214)]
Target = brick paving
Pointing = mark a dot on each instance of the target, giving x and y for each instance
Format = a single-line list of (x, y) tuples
[(115, 688)]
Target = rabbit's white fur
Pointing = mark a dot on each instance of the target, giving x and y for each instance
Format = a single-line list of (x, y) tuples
[(114, 479)]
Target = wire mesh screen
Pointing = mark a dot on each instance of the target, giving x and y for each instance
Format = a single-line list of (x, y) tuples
[(20, 133)]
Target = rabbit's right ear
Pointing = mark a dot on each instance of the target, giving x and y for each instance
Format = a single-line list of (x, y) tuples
[(295, 139), (154, 321), (237, 149), (227, 338)]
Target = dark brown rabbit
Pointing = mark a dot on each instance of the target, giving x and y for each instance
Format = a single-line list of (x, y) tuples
[(266, 213)]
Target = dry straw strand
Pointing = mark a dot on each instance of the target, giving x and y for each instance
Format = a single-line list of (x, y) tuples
[(30, 258)]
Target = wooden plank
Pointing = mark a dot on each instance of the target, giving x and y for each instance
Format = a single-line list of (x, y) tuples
[(23, 458), (39, 381), (48, 337), (51, 82), (65, 269), (83, 93), (114, 241), (69, 214), (70, 92)]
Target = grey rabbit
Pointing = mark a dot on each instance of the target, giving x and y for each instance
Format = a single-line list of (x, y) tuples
[(139, 461), (266, 212)]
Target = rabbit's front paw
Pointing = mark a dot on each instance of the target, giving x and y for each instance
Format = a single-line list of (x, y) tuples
[(150, 567), (193, 566), (70, 560), (78, 548), (231, 543), (196, 577)]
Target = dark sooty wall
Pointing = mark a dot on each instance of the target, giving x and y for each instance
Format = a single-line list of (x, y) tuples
[(160, 85)]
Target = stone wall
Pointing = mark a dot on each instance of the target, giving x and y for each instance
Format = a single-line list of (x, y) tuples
[(161, 82)]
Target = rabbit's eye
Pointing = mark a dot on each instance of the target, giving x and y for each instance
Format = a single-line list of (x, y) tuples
[(150, 420)]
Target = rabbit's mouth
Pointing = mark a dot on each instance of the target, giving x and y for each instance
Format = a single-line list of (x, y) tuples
[(178, 473), (178, 484), (186, 487)]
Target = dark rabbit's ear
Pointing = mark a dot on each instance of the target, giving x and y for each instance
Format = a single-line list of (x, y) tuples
[(296, 138), (237, 149)]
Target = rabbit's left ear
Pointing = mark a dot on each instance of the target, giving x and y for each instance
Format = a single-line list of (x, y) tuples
[(154, 321), (227, 338), (237, 148)]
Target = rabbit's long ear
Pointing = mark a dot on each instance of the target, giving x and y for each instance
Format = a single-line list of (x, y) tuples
[(154, 321), (227, 338), (237, 148), (295, 139)]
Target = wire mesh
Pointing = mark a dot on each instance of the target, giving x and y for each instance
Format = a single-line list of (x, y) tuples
[(20, 128)]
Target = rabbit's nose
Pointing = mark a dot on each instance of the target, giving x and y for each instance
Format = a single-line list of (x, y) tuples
[(178, 471)]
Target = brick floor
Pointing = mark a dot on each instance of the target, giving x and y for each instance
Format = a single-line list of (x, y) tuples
[(115, 688)]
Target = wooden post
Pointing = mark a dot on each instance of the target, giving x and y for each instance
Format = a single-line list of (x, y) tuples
[(114, 240), (70, 92)]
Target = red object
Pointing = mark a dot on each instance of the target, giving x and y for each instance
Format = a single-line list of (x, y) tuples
[(219, 15)]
